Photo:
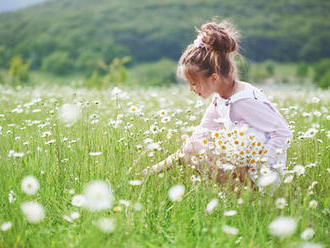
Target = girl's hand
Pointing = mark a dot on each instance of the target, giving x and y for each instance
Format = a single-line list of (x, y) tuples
[(154, 169)]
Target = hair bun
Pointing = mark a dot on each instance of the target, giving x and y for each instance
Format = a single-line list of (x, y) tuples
[(219, 37)]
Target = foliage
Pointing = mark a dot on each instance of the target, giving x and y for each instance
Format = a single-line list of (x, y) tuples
[(58, 63), (18, 70), (94, 81), (3, 57), (321, 73), (270, 68), (111, 143), (320, 69), (159, 73), (117, 71), (258, 75), (324, 82), (113, 74), (88, 61), (87, 29), (302, 70), (243, 67)]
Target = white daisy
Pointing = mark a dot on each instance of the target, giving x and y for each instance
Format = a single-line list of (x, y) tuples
[(299, 170), (312, 204), (308, 233), (6, 226), (95, 153), (212, 205), (78, 200), (229, 230), (280, 203), (75, 215), (135, 182), (230, 213)]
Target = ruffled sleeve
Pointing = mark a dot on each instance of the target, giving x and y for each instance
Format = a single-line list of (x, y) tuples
[(208, 123)]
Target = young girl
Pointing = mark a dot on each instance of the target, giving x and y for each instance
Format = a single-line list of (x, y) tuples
[(208, 65)]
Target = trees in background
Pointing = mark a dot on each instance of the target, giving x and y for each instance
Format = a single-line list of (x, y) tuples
[(113, 74), (322, 73), (18, 70), (302, 70), (161, 72), (58, 63), (92, 30), (243, 66)]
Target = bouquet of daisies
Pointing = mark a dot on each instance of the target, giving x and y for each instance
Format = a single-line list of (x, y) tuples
[(229, 148)]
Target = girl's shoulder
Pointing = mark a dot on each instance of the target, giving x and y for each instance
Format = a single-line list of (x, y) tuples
[(249, 92), (246, 93)]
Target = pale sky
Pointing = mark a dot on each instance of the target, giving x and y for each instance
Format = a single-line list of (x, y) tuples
[(10, 5)]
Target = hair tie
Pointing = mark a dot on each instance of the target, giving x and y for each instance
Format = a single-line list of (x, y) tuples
[(198, 42)]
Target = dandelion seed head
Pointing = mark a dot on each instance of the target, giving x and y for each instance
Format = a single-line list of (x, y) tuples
[(106, 225), (33, 211), (98, 195), (176, 192), (268, 179), (69, 113), (283, 226), (30, 185)]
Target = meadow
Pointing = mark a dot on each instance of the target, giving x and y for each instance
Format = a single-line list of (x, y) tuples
[(66, 138)]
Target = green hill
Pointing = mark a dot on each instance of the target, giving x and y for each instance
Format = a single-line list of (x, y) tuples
[(86, 30)]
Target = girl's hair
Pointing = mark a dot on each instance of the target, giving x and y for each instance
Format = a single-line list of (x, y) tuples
[(216, 56)]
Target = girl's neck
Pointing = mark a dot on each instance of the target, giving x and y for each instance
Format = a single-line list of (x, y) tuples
[(227, 91)]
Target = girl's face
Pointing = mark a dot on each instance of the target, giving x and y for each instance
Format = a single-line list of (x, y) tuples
[(204, 87)]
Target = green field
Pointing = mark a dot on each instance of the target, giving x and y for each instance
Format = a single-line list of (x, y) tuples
[(109, 143)]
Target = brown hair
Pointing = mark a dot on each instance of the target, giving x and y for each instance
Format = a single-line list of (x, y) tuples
[(217, 55)]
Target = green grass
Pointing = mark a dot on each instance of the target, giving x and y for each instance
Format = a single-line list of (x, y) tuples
[(65, 165)]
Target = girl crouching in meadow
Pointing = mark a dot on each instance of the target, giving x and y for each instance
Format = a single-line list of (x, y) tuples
[(241, 133)]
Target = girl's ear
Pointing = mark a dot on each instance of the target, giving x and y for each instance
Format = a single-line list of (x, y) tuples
[(215, 77)]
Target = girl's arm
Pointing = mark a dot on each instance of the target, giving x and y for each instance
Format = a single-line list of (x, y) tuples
[(194, 144), (166, 164), (188, 149)]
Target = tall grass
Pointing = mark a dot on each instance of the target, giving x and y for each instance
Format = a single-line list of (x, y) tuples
[(64, 167)]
